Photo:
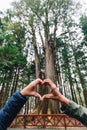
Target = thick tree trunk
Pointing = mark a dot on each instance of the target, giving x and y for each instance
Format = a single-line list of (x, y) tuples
[(50, 73), (50, 66)]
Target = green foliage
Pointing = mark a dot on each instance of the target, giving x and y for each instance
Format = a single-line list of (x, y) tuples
[(22, 25), (84, 24), (11, 57)]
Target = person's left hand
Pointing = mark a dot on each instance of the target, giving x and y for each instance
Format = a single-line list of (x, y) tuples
[(30, 90), (54, 92)]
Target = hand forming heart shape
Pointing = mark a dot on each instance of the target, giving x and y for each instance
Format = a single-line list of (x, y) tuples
[(30, 90)]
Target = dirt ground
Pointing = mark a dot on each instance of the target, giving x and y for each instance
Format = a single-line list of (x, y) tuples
[(74, 128)]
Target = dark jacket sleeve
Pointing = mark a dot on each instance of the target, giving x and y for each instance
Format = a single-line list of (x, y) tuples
[(76, 111), (10, 110)]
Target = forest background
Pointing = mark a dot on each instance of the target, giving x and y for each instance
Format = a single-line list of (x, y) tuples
[(44, 39)]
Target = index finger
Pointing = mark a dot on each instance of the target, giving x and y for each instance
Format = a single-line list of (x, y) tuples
[(50, 83), (38, 81)]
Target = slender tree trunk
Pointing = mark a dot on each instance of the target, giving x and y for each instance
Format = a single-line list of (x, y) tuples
[(2, 91), (38, 69), (79, 92), (71, 84), (17, 78), (82, 81), (13, 84)]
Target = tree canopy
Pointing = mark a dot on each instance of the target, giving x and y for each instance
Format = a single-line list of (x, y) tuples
[(42, 39)]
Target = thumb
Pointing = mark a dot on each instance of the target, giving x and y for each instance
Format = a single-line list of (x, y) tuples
[(46, 96), (42, 98), (38, 96)]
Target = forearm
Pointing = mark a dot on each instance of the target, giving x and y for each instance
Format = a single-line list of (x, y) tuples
[(76, 111), (73, 109), (11, 108), (65, 101)]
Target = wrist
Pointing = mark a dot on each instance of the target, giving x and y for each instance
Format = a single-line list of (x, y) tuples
[(64, 100), (23, 92)]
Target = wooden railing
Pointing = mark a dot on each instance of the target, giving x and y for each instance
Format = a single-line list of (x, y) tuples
[(45, 121)]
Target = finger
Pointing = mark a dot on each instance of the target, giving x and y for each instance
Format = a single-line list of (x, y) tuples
[(37, 95), (46, 82), (55, 91), (47, 96), (38, 81), (34, 83), (50, 83)]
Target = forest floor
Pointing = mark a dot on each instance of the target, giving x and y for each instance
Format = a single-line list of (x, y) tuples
[(73, 128)]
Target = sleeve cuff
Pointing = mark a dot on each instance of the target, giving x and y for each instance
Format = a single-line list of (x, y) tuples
[(20, 96), (66, 109)]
